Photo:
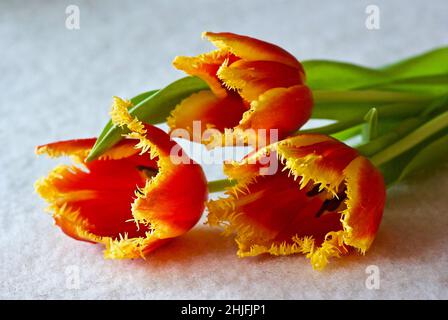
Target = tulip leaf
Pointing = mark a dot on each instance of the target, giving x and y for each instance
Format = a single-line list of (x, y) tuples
[(394, 170), (427, 72), (370, 129), (348, 133), (135, 100), (142, 96), (429, 128), (433, 84), (220, 185), (342, 111), (339, 110), (434, 62), (336, 127), (432, 154), (389, 131), (154, 109), (436, 105), (334, 75)]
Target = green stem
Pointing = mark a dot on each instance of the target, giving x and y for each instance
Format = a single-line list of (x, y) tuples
[(153, 109), (381, 142), (334, 127), (396, 110), (436, 79), (219, 185), (348, 133), (405, 127), (370, 128), (412, 139), (373, 96)]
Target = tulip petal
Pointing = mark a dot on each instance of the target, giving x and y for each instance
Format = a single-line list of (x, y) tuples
[(252, 78), (276, 114), (268, 80), (365, 202), (318, 158), (205, 66), (211, 111), (252, 49), (324, 200), (168, 201), (92, 202), (281, 109), (132, 199)]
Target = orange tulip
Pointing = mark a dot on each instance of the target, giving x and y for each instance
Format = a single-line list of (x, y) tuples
[(132, 199), (324, 200), (254, 85)]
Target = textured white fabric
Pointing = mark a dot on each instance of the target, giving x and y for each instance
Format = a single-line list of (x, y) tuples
[(57, 84)]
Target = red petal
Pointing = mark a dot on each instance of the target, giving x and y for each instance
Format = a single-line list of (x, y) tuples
[(210, 110), (329, 199), (99, 203), (266, 77), (282, 109), (252, 49), (102, 193), (253, 78), (205, 66), (367, 196)]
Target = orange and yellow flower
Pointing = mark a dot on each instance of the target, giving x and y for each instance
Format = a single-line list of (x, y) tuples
[(253, 85), (133, 198), (323, 201)]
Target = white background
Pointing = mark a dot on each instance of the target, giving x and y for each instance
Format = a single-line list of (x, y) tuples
[(57, 84)]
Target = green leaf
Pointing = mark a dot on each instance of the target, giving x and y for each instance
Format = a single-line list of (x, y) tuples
[(343, 111), (393, 170), (439, 103), (135, 100), (348, 133), (389, 131), (334, 75), (433, 85), (143, 96), (384, 126), (371, 126), (339, 111), (434, 153), (154, 109), (220, 185), (431, 127), (433, 62), (333, 128), (387, 124), (426, 72), (367, 96)]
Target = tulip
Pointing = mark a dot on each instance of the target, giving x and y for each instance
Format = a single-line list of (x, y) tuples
[(324, 200), (254, 85), (133, 198)]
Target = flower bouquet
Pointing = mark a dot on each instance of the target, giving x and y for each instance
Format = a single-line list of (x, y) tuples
[(319, 191)]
